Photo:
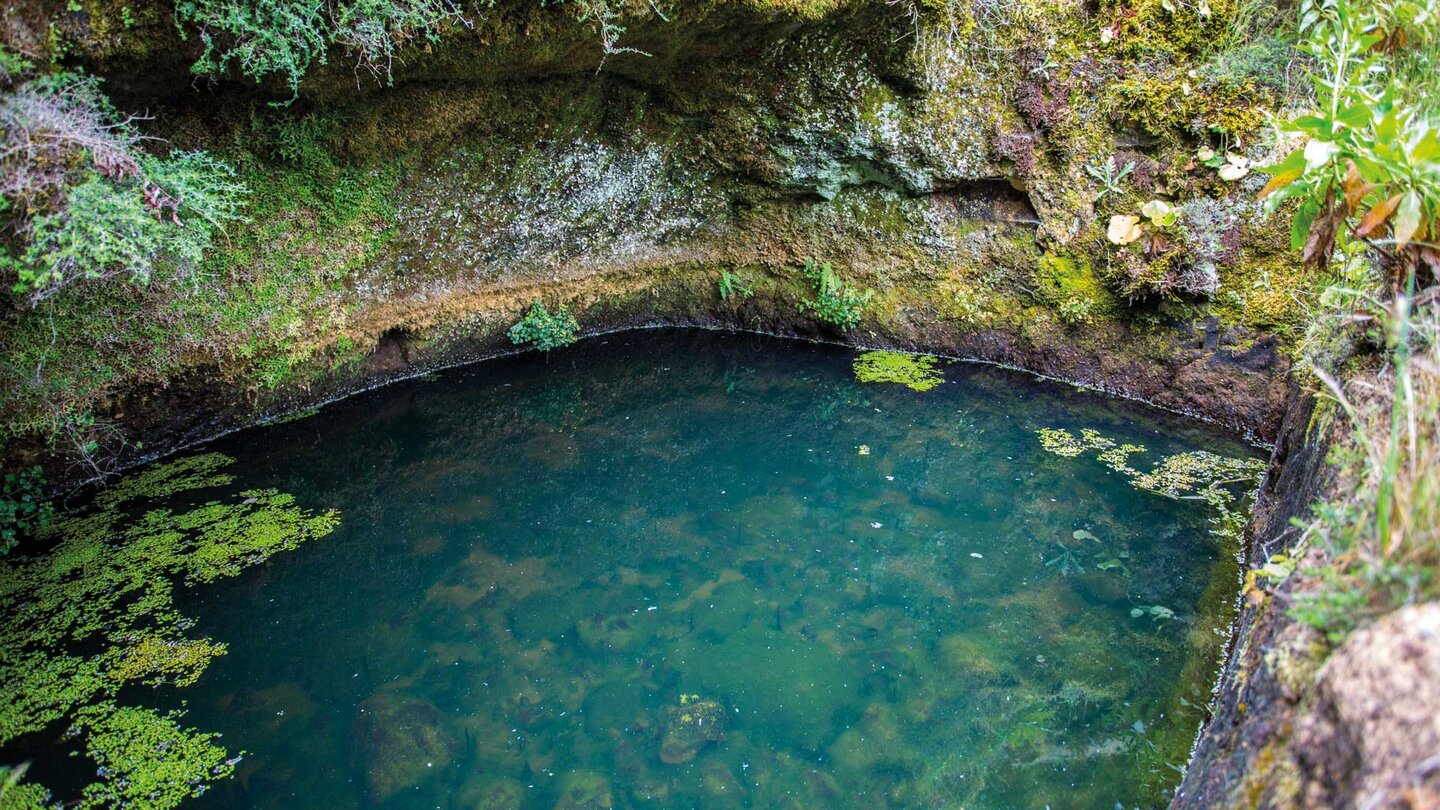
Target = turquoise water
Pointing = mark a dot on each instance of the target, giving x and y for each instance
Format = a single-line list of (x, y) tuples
[(685, 569)]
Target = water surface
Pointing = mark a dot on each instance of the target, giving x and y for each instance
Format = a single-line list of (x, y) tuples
[(684, 569)]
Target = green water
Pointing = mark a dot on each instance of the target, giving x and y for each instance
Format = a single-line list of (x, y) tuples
[(675, 569)]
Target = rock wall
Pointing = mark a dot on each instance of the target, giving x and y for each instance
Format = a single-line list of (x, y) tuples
[(937, 161), (1296, 724)]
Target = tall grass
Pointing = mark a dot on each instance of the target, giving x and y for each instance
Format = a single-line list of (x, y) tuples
[(1381, 535)]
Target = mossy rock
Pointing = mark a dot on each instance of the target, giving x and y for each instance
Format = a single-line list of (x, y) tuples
[(490, 793), (689, 727), (792, 688), (400, 742), (585, 790)]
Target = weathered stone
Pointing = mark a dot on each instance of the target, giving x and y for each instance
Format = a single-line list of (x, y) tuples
[(400, 742), (690, 727), (583, 790)]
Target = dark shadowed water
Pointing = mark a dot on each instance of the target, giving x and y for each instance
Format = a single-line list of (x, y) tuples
[(681, 569)]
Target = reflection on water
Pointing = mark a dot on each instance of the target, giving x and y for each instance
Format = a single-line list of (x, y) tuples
[(676, 569)]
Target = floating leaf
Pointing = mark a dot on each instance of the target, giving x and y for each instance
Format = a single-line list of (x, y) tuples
[(1081, 534)]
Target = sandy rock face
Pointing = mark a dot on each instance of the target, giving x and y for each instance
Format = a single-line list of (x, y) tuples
[(1373, 739)]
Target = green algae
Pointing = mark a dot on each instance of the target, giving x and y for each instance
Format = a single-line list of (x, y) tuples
[(1196, 475), (915, 371), (96, 613)]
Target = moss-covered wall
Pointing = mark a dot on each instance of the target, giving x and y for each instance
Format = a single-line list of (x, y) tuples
[(938, 159)]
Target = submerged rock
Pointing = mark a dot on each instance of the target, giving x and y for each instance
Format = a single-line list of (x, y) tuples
[(690, 727), (791, 687), (585, 790), (490, 793), (400, 742)]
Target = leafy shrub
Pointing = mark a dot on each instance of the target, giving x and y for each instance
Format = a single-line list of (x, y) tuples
[(87, 203), (544, 330), (836, 301), (1366, 182), (1373, 144), (23, 510), (285, 38), (105, 229)]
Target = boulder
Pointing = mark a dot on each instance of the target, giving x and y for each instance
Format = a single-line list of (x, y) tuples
[(399, 742)]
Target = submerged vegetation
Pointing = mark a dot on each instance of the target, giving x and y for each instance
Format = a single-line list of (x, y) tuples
[(1217, 481), (93, 611)]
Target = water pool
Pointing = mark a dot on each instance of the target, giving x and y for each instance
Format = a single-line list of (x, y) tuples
[(693, 569)]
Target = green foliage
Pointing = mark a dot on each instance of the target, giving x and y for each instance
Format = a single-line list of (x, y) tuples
[(23, 510), (1160, 213), (87, 203), (1076, 310), (1365, 185), (915, 371), (543, 330), (1108, 176), (286, 38), (1373, 143), (18, 795), (1380, 537), (97, 613), (107, 229), (836, 300), (605, 17), (733, 284), (149, 759)]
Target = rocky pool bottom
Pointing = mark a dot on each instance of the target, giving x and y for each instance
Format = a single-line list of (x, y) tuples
[(693, 569)]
